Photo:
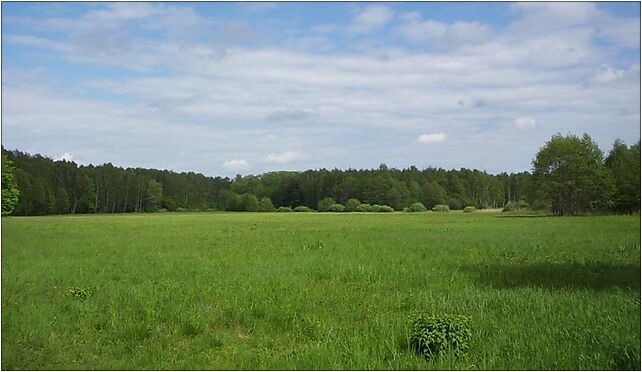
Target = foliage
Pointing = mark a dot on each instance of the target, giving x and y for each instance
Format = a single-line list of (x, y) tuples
[(154, 195), (265, 205), (441, 208), (364, 208), (10, 192), (571, 177), (336, 208), (162, 210), (179, 209), (417, 207), (432, 335), (624, 164), (324, 204), (352, 205), (250, 203), (375, 208), (469, 209), (303, 208), (284, 209), (385, 209)]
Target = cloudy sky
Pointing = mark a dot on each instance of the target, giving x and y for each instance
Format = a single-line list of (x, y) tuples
[(226, 88)]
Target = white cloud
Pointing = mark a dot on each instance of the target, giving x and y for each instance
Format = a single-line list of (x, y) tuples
[(237, 165), (456, 34), (285, 157), (606, 73), (432, 138), (525, 123), (66, 156), (371, 18)]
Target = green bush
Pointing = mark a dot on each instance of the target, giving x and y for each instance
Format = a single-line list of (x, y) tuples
[(385, 209), (303, 208), (284, 209), (441, 208), (162, 210), (336, 208), (364, 208), (417, 207), (352, 205), (265, 205), (432, 335), (515, 205), (375, 208), (469, 209), (324, 204), (179, 209)]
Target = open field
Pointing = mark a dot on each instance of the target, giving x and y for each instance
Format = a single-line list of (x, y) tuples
[(317, 291)]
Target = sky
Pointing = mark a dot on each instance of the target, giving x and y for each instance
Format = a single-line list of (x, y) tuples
[(246, 88)]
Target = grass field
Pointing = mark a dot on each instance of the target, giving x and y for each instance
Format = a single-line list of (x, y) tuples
[(317, 291)]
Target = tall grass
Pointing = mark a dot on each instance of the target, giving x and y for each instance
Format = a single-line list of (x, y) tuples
[(317, 291)]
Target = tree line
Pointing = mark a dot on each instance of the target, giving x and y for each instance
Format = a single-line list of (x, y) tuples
[(570, 176)]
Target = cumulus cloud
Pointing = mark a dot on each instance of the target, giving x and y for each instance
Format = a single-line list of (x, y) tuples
[(525, 123), (235, 94), (237, 165), (371, 18), (459, 33), (432, 138), (284, 157)]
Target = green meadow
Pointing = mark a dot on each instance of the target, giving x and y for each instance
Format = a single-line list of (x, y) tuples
[(318, 290)]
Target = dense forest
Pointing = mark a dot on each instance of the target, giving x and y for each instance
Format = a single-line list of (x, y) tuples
[(60, 187)]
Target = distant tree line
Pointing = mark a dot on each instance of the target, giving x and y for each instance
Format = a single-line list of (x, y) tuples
[(570, 176)]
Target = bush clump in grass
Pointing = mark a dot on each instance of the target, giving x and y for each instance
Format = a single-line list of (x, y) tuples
[(78, 293), (385, 209), (469, 209), (284, 209), (441, 208), (303, 208), (352, 205), (432, 335), (375, 208), (364, 208), (336, 208), (417, 207), (179, 209)]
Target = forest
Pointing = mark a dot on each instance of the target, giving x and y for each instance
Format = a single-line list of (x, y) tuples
[(594, 184)]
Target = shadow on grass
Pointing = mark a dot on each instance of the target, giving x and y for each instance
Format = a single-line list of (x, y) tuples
[(525, 215), (594, 276)]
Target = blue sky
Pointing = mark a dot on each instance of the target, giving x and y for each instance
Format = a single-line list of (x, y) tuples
[(226, 88)]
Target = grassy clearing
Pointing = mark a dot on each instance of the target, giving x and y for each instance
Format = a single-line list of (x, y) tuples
[(317, 291)]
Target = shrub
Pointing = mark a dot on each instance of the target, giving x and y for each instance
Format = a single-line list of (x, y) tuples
[(441, 208), (375, 208), (179, 209), (432, 335), (417, 207), (302, 208), (469, 209), (385, 209), (336, 208), (249, 203), (515, 205), (162, 210), (325, 203), (265, 205), (364, 208), (284, 209), (352, 205)]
